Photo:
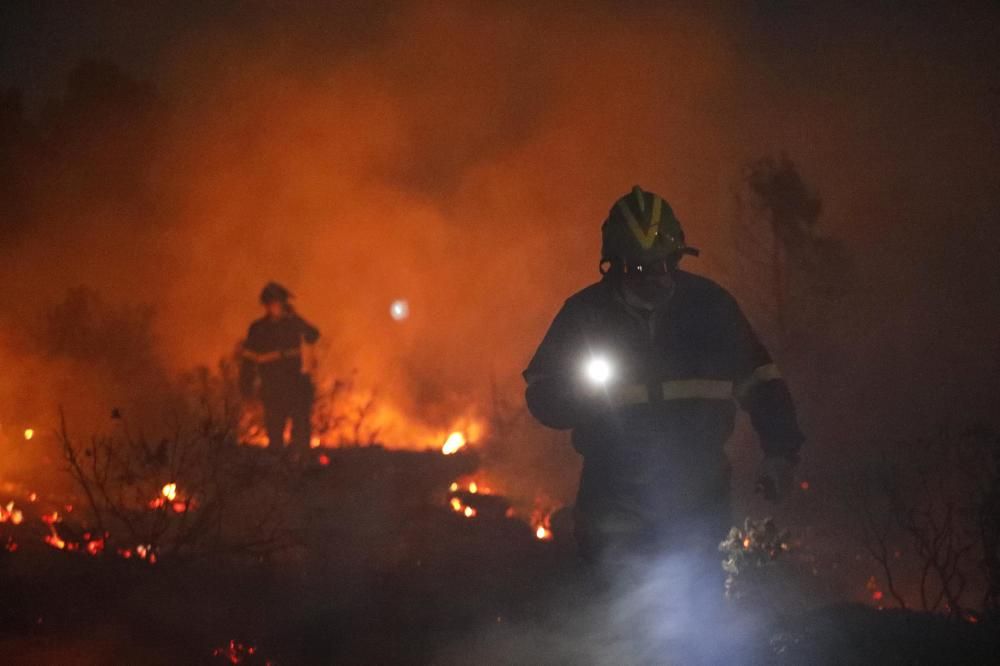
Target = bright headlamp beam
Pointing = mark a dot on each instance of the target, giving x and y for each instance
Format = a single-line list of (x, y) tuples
[(598, 370)]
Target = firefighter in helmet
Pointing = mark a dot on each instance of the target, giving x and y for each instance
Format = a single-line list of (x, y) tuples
[(273, 352), (647, 367)]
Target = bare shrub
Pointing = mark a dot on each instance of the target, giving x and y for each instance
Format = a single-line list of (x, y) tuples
[(929, 515)]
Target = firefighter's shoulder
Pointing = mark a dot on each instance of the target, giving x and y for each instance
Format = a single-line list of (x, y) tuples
[(257, 325), (590, 296), (701, 288)]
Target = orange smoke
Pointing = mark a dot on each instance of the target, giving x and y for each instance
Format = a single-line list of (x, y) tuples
[(466, 176)]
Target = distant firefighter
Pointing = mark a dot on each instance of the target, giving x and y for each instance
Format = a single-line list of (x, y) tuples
[(273, 351), (646, 367)]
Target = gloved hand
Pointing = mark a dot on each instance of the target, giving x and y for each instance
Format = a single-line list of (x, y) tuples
[(775, 478)]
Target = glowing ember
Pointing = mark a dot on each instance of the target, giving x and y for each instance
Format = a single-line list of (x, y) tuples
[(169, 491), (804, 485), (11, 514), (29, 433), (95, 547), (53, 538), (872, 586), (455, 441), (33, 497), (314, 442), (454, 486), (458, 507), (236, 652), (473, 488), (324, 460), (543, 533)]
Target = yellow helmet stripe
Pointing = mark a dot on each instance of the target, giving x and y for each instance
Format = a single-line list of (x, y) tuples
[(647, 237), (657, 211)]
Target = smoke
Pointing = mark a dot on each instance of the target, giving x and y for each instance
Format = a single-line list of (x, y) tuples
[(667, 610), (462, 156)]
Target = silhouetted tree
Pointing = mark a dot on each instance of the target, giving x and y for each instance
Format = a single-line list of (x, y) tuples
[(796, 272)]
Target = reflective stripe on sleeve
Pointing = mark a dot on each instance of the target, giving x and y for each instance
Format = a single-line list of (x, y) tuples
[(270, 357), (764, 373)]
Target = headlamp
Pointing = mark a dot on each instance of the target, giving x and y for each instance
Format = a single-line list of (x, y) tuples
[(598, 370)]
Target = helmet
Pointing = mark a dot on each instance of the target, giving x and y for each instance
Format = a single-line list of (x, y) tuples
[(642, 228), (274, 292)]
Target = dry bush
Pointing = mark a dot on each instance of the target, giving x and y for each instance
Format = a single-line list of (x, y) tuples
[(929, 515)]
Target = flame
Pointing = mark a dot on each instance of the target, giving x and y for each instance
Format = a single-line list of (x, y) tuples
[(541, 519), (169, 491), (29, 433), (872, 586), (455, 441), (469, 512), (473, 487)]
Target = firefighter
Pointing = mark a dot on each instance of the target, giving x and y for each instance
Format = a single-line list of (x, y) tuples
[(273, 351), (646, 367)]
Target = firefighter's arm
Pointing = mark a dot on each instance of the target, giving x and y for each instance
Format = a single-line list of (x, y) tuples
[(763, 393), (310, 334), (249, 358), (552, 393)]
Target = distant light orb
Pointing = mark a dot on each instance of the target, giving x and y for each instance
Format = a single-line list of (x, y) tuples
[(29, 433), (399, 310), (598, 370)]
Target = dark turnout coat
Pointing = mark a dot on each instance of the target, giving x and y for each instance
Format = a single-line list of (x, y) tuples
[(653, 442), (273, 351)]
